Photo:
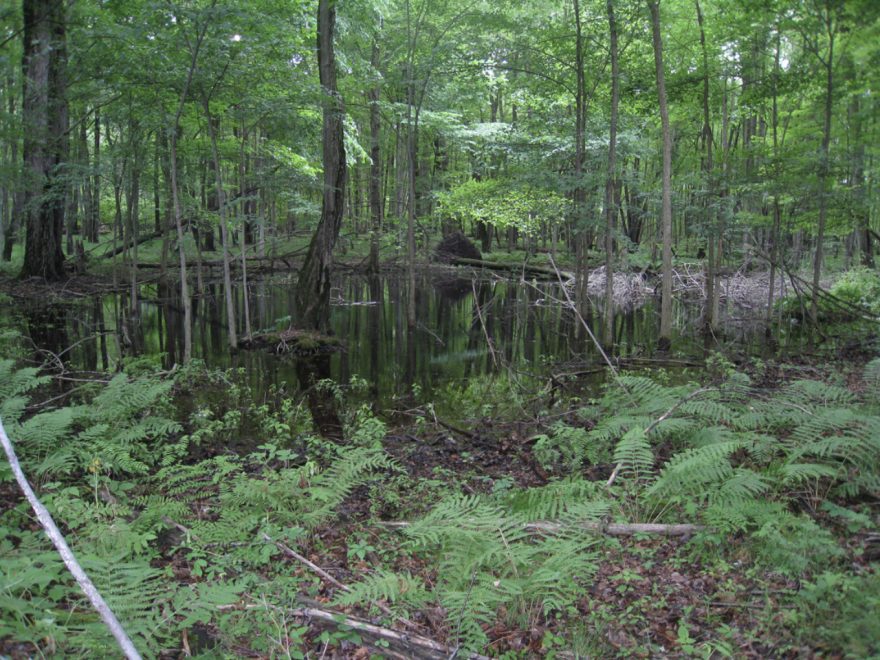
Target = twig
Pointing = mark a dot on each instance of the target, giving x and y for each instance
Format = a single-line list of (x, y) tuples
[(483, 325), (460, 615), (584, 323), (404, 639), (66, 553), (324, 574), (656, 422)]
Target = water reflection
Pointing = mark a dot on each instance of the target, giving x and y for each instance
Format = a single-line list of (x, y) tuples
[(466, 328)]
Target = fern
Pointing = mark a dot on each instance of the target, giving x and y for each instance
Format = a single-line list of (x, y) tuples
[(388, 586), (871, 376), (634, 453), (513, 568), (136, 593)]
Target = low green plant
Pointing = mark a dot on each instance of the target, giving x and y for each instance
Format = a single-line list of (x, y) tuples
[(843, 609), (859, 286)]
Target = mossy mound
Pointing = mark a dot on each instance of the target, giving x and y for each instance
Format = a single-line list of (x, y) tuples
[(293, 342)]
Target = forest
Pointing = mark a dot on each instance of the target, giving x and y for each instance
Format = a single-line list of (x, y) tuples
[(436, 329)]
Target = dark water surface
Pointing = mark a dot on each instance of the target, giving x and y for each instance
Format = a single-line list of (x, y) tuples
[(529, 331)]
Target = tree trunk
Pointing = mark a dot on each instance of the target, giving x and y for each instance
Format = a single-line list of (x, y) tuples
[(96, 185), (609, 185), (579, 195), (708, 166), (665, 340), (375, 170), (44, 64), (17, 194), (824, 168), (133, 213), (313, 284), (860, 208)]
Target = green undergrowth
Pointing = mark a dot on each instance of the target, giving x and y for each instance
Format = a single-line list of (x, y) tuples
[(179, 533), (858, 289)]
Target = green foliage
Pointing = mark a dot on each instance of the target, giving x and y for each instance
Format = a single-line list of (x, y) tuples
[(499, 203), (860, 287), (844, 609), (488, 559), (737, 449)]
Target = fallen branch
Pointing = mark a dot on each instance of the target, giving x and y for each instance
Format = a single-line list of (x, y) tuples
[(324, 574), (66, 553), (612, 529), (402, 646)]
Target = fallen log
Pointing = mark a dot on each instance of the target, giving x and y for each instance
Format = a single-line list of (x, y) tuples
[(262, 262), (125, 246), (543, 271), (612, 529)]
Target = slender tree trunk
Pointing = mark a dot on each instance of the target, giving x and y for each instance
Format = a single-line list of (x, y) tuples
[(774, 236), (313, 284), (412, 145), (16, 193), (824, 168), (181, 251), (665, 340), (579, 195), (863, 217), (375, 169), (224, 231), (96, 185), (166, 222), (708, 167), (45, 111), (609, 185), (133, 212)]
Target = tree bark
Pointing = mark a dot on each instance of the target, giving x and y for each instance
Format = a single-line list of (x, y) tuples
[(313, 284), (375, 170), (579, 196), (609, 185), (665, 340), (224, 231), (44, 64), (17, 194), (708, 166)]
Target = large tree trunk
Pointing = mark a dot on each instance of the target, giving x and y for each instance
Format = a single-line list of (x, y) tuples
[(665, 339), (44, 64), (313, 284)]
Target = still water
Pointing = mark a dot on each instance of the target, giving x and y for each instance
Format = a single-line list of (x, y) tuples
[(466, 328)]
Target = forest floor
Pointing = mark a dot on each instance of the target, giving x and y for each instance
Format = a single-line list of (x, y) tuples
[(691, 596)]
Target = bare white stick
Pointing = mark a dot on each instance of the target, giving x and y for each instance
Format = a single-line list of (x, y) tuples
[(66, 553)]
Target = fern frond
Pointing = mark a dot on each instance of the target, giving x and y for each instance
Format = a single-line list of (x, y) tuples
[(696, 470), (388, 586), (135, 592), (794, 473), (743, 486), (871, 376), (634, 452)]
